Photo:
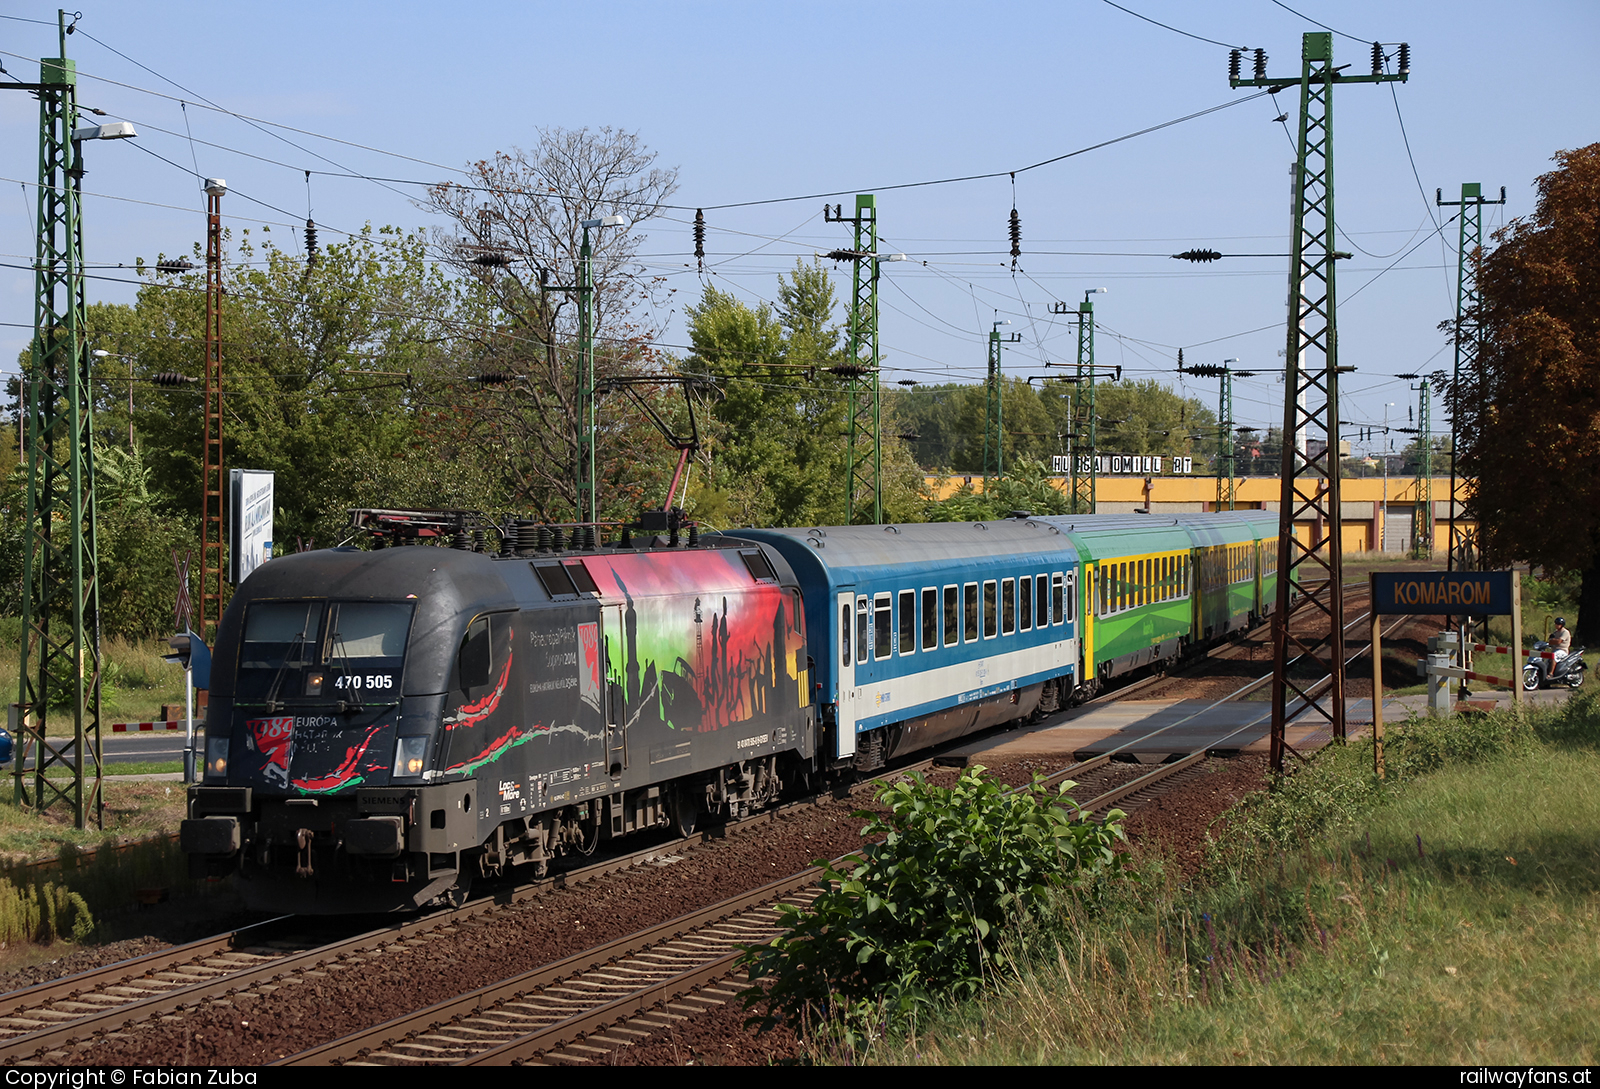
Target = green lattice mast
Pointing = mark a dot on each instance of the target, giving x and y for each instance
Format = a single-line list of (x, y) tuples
[(1463, 549), (994, 431), (864, 410), (60, 660), (1308, 621)]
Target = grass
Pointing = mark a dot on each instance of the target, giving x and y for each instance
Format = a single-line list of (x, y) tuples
[(1449, 915), (135, 681), (135, 810), (134, 767)]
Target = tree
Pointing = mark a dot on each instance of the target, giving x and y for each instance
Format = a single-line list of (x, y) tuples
[(516, 234), (1530, 414), (776, 454)]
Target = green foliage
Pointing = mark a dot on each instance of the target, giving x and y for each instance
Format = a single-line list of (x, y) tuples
[(42, 912), (1339, 786), (1026, 486), (919, 916), (775, 455), (1137, 417), (298, 346)]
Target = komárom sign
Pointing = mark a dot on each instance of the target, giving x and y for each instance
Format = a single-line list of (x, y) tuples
[(1459, 593)]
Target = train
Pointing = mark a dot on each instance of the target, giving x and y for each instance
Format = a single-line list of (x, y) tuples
[(388, 724)]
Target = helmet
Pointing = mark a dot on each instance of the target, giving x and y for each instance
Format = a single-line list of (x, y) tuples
[(1560, 620)]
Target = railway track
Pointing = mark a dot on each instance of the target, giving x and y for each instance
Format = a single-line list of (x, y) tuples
[(43, 1021), (46, 1018), (582, 1009)]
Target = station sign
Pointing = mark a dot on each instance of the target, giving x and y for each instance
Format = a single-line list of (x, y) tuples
[(1123, 465), (250, 508), (1453, 593)]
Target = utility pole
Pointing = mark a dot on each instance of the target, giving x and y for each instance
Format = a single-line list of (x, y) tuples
[(586, 490), (1085, 424), (864, 412), (994, 427), (213, 477), (1462, 552), (1227, 487), (1422, 531), (1308, 621), (60, 587)]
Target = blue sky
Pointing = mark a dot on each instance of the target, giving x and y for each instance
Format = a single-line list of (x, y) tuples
[(758, 101)]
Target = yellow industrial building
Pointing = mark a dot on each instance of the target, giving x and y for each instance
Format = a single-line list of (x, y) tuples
[(1365, 503)]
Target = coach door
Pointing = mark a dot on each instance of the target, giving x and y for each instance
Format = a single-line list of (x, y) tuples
[(613, 699), (844, 657)]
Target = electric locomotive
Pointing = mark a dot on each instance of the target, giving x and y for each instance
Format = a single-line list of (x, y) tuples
[(386, 725)]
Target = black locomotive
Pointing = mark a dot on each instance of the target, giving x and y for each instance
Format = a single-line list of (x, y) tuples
[(384, 725)]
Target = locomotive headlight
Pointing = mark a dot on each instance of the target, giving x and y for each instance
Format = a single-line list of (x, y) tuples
[(410, 755), (313, 684), (216, 757)]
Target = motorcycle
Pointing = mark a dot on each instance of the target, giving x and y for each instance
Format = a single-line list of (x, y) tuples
[(1541, 672)]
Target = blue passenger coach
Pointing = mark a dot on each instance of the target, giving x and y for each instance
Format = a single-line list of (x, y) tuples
[(921, 633)]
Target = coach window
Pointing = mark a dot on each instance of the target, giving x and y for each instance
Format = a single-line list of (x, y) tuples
[(969, 609), (1122, 586), (1042, 616), (1025, 601), (1057, 596), (882, 626), (930, 618), (1008, 607), (989, 602), (952, 617), (863, 620), (908, 621)]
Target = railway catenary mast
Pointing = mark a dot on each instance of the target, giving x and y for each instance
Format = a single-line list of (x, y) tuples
[(864, 412), (1310, 573), (1463, 548), (60, 567)]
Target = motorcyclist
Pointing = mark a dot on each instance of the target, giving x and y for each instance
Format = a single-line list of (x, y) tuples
[(1560, 639)]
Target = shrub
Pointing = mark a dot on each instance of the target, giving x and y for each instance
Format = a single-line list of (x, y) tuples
[(919, 916)]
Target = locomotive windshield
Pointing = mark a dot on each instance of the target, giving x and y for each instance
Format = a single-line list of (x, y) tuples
[(341, 649)]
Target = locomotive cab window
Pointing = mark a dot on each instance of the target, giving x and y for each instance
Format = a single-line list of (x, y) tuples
[(280, 634), (474, 662)]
